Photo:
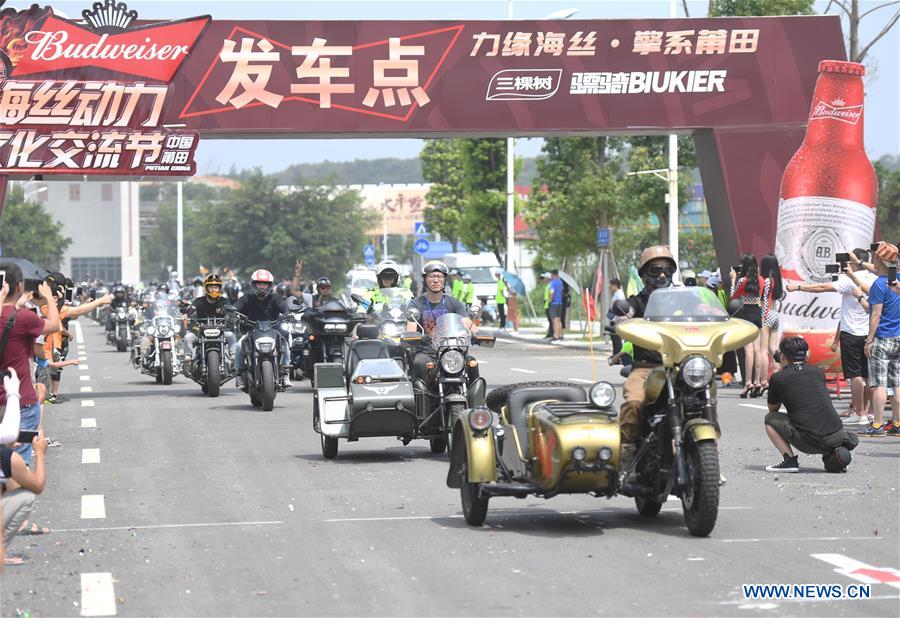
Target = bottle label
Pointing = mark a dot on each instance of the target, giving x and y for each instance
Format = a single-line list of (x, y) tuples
[(836, 111), (811, 232)]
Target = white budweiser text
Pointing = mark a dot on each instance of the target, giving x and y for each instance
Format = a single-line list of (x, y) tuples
[(52, 46)]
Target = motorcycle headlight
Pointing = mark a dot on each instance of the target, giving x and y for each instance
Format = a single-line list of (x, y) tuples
[(335, 327), (389, 329), (286, 327), (211, 332), (453, 361), (265, 345), (602, 394), (151, 331), (696, 372), (163, 329)]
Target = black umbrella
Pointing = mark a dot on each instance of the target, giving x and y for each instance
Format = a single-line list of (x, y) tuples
[(30, 270)]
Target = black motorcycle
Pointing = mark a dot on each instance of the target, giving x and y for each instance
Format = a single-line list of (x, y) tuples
[(328, 328), (262, 354), (211, 367), (120, 335)]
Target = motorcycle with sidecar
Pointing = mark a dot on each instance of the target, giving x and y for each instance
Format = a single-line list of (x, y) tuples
[(547, 438)]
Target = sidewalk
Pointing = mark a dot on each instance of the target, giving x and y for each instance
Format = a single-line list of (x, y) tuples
[(535, 334)]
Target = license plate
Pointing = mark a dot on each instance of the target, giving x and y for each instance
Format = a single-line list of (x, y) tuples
[(165, 345)]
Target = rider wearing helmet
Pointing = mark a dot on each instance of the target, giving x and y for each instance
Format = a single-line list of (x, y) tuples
[(233, 290), (283, 290), (432, 304), (656, 271), (387, 274), (211, 305), (323, 292), (261, 304), (119, 299)]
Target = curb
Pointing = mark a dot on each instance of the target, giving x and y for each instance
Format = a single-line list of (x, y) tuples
[(537, 339)]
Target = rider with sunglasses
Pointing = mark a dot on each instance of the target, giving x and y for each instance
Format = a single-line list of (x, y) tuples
[(656, 271)]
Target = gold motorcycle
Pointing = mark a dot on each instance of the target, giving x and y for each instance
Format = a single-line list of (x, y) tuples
[(547, 438)]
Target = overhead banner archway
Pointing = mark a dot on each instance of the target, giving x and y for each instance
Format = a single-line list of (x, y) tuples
[(741, 86)]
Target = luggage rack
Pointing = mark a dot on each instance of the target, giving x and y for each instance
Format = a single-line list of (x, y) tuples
[(570, 408)]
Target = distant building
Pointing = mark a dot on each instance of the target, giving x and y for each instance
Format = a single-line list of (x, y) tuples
[(103, 221)]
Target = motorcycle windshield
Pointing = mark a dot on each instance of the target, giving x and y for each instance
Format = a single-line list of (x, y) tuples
[(449, 331), (689, 304), (396, 300), (332, 307)]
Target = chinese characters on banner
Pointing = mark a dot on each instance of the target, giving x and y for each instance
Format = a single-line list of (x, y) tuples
[(395, 80), (72, 127), (399, 206)]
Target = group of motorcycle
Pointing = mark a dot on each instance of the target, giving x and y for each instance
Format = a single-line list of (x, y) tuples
[(544, 438), (539, 438)]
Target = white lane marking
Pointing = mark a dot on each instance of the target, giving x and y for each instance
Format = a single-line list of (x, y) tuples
[(522, 370), (524, 513), (88, 422), (803, 538), (481, 362), (82, 356), (582, 380), (93, 507), (98, 596), (87, 389), (87, 403), (83, 367), (80, 347), (753, 405), (84, 378), (158, 526), (79, 336), (860, 571), (90, 455)]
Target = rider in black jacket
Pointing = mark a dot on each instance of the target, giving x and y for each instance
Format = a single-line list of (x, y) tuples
[(261, 304), (211, 305)]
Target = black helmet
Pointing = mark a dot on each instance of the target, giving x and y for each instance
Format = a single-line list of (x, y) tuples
[(198, 280), (232, 290), (283, 290), (323, 281), (163, 287)]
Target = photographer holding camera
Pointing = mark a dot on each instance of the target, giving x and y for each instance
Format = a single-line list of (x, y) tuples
[(811, 424), (18, 330), (852, 328)]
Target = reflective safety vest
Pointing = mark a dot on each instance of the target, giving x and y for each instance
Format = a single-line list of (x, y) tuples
[(547, 296), (468, 293), (501, 291), (456, 289)]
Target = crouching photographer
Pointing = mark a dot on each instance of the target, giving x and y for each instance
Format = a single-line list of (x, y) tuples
[(811, 424)]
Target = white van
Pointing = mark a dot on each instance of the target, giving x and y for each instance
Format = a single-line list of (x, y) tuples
[(481, 266)]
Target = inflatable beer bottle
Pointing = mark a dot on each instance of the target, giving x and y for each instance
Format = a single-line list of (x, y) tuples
[(827, 206)]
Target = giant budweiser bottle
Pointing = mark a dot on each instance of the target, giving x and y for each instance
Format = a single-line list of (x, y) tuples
[(827, 206)]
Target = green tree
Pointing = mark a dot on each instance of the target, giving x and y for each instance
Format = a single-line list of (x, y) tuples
[(888, 201), (159, 249), (483, 224), (28, 231), (258, 226), (443, 166), (750, 8)]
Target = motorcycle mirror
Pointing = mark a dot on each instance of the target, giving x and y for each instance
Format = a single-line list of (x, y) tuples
[(621, 308), (475, 312), (295, 303), (735, 306), (229, 308), (412, 314), (359, 300)]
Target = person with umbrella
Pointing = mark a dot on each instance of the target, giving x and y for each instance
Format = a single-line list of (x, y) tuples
[(556, 304)]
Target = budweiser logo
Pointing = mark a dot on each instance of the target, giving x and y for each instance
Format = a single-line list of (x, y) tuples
[(850, 114), (154, 51)]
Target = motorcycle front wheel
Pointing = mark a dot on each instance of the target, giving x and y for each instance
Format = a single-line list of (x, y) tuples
[(267, 386), (700, 499), (213, 373), (646, 506), (474, 505), (166, 368), (121, 344)]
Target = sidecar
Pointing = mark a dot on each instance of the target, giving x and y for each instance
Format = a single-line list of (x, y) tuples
[(540, 438), (369, 395)]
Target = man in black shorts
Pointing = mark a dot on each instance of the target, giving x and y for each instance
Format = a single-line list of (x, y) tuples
[(811, 424)]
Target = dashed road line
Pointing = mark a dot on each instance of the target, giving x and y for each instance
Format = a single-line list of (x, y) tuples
[(88, 422), (84, 378), (90, 455), (98, 594), (522, 370), (83, 367), (93, 507), (753, 405), (166, 526), (79, 335), (87, 389), (87, 403)]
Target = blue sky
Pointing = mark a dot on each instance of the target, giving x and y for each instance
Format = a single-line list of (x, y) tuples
[(882, 94)]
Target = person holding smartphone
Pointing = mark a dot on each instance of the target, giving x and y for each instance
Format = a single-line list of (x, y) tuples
[(24, 328)]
